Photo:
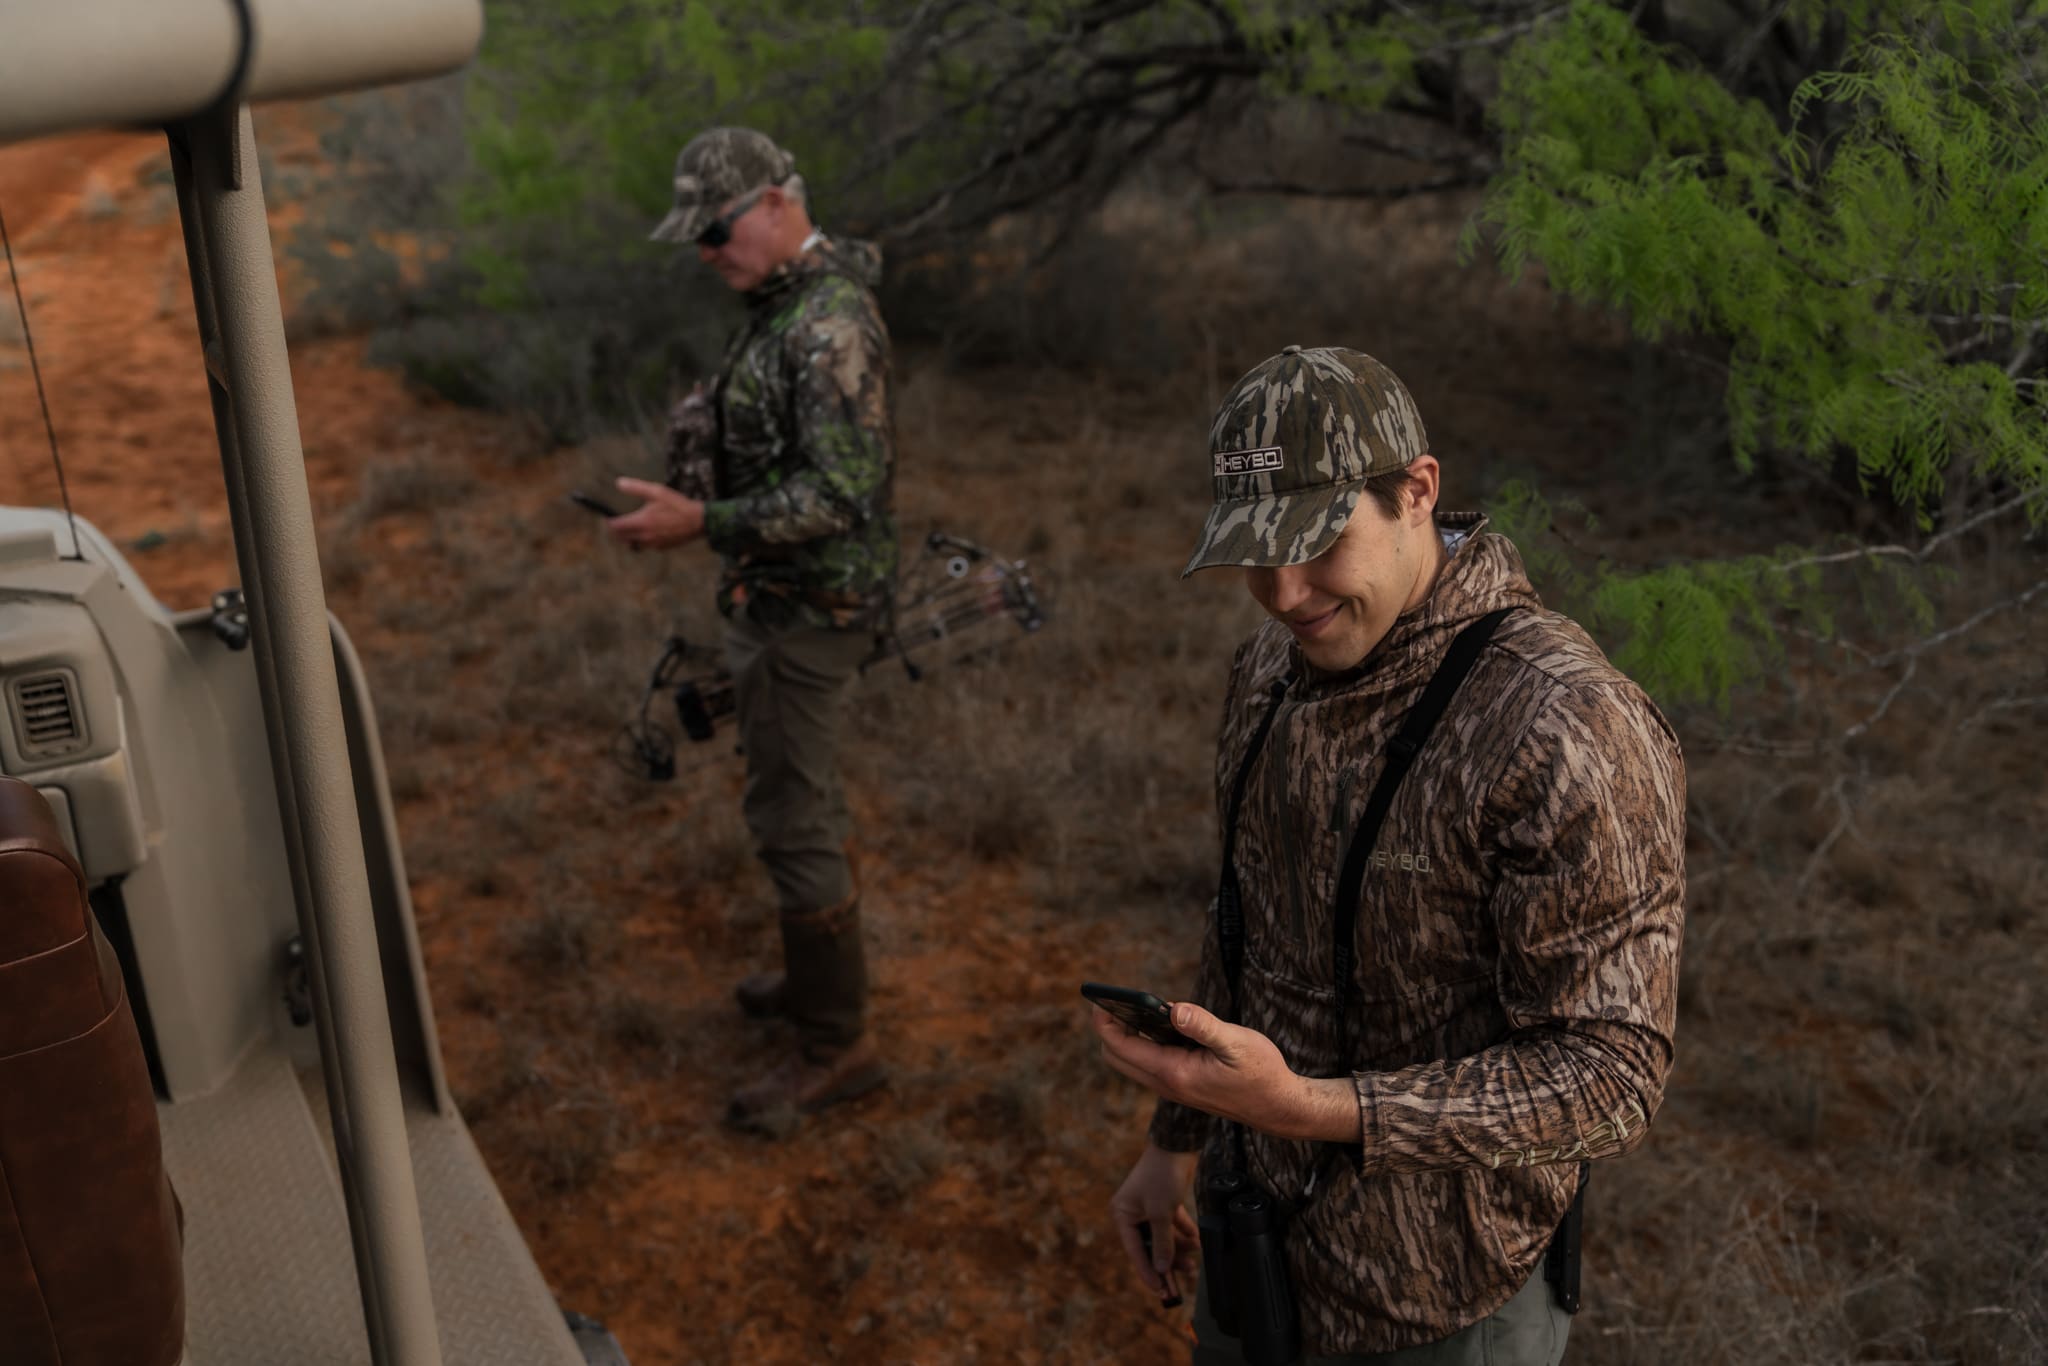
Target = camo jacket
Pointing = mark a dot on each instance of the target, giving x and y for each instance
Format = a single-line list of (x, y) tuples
[(1516, 959), (791, 447)]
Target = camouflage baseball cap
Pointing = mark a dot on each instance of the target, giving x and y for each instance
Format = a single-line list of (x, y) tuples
[(1293, 445), (717, 165)]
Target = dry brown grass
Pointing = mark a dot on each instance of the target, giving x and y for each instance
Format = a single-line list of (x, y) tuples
[(1849, 1166)]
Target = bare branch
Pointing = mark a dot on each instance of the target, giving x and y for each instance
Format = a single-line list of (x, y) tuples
[(2023, 355), (1871, 552), (1415, 151), (2009, 702), (1863, 727), (1976, 619), (1739, 56), (1302, 190), (1987, 319), (1845, 824)]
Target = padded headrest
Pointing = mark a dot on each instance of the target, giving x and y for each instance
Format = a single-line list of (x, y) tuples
[(41, 884)]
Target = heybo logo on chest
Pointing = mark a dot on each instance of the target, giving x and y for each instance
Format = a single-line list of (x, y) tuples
[(1405, 863), (1261, 461)]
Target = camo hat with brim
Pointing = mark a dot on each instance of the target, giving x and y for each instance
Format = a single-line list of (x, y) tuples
[(717, 165), (1293, 445)]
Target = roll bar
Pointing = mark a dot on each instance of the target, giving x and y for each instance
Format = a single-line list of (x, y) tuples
[(146, 63)]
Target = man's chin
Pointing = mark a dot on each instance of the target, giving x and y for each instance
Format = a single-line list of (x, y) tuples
[(1332, 657)]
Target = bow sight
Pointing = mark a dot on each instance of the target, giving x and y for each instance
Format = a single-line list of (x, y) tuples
[(958, 586)]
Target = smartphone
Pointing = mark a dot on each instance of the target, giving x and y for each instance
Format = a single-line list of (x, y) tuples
[(1140, 1012), (596, 505)]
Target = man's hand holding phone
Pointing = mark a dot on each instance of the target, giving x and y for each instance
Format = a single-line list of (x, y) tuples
[(1226, 1070), (665, 518), (1140, 1012)]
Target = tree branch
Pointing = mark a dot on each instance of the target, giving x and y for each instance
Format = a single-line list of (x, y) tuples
[(1301, 190), (1933, 544)]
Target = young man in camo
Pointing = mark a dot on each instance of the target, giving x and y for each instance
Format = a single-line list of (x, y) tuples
[(783, 463), (1506, 1014)]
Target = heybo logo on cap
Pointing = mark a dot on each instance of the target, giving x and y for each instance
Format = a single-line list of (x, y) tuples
[(1260, 461)]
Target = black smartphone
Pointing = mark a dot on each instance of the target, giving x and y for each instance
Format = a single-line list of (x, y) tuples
[(1140, 1012), (596, 505)]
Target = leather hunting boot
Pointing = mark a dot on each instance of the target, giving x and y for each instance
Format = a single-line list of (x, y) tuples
[(763, 995), (803, 1084), (825, 996)]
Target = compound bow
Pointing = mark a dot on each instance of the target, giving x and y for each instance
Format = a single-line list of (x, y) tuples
[(957, 588)]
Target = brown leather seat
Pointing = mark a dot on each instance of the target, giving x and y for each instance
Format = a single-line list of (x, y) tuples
[(90, 1244)]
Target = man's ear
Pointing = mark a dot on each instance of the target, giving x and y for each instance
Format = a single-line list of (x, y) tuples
[(1424, 486)]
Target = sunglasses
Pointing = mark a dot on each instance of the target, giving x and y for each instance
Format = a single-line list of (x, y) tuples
[(719, 230)]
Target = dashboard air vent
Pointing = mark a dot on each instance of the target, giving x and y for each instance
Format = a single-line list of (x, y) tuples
[(47, 720)]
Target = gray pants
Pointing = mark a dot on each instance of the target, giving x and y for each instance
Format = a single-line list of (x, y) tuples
[(1529, 1330), (788, 686)]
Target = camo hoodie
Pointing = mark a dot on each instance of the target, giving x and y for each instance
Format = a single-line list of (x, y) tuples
[(796, 454), (1517, 947)]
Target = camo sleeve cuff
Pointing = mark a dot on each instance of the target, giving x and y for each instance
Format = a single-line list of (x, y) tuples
[(725, 526), (1372, 1129)]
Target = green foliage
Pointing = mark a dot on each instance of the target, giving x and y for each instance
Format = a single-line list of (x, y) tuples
[(1872, 256), (1876, 264), (587, 101), (1697, 631)]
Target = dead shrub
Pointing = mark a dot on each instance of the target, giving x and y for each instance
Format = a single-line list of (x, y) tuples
[(571, 1142), (428, 482), (567, 935), (653, 1031)]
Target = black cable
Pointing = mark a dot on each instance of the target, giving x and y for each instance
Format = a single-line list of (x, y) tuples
[(42, 397)]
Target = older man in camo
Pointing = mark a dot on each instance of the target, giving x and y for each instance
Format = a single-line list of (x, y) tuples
[(1440, 976), (783, 463)]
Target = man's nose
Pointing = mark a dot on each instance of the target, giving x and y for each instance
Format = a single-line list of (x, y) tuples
[(1290, 587), (706, 254), (1278, 588)]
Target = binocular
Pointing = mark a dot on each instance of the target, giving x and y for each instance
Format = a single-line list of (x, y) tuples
[(1244, 1268)]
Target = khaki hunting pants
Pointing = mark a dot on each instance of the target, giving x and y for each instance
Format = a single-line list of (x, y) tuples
[(1529, 1330), (788, 686)]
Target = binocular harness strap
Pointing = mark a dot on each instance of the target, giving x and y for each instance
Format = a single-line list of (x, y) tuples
[(1401, 752), (1229, 907)]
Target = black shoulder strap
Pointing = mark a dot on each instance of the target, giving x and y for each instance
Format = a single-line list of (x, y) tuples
[(1229, 907), (1407, 743), (1401, 751), (1414, 733)]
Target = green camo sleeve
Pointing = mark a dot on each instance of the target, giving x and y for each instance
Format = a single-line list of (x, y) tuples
[(838, 362)]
